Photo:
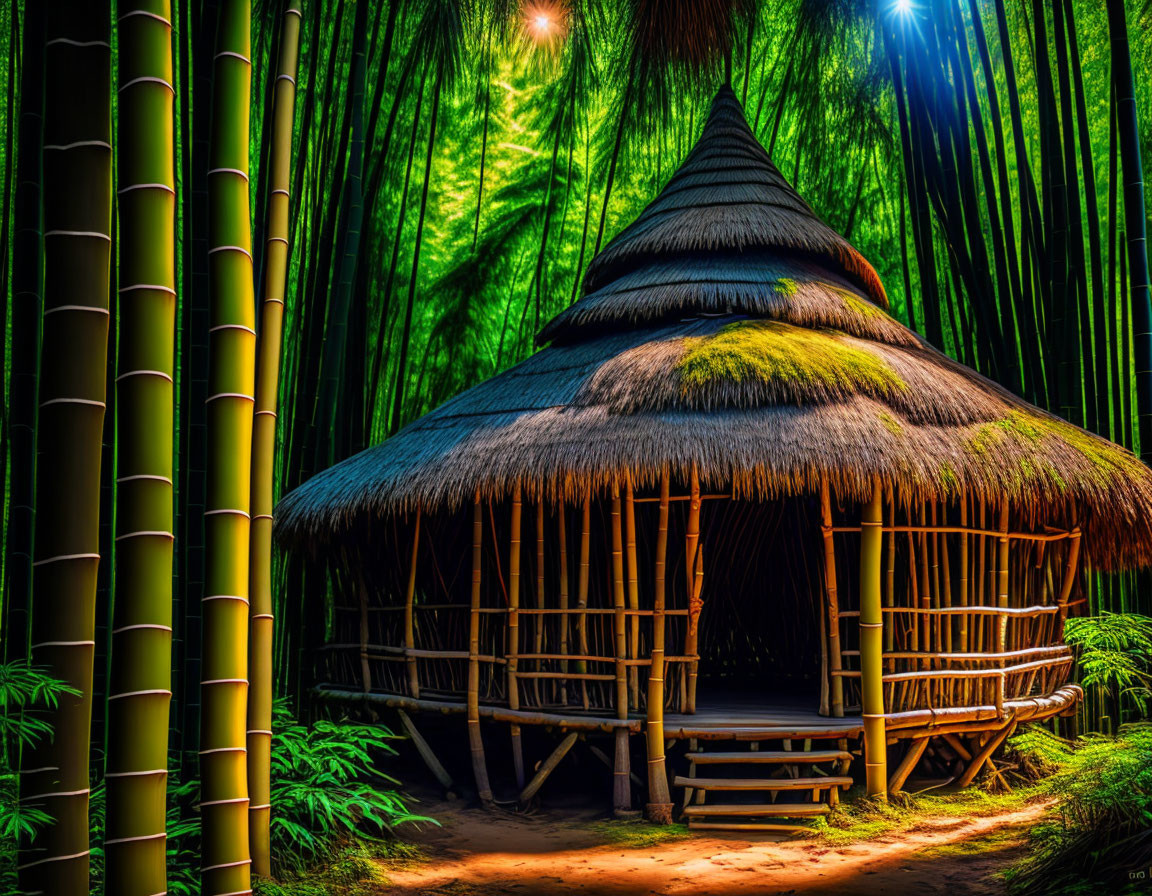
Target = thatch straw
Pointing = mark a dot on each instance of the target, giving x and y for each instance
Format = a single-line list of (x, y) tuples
[(766, 389), (729, 196)]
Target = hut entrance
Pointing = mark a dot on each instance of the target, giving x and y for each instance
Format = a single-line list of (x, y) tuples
[(760, 631)]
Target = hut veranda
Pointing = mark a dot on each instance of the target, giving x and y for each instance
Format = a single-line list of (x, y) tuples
[(733, 508)]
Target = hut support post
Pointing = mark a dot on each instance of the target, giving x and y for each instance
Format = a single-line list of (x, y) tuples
[(430, 760), (872, 646), (833, 602), (633, 590), (475, 741), (695, 577), (409, 600), (514, 633), (365, 668), (582, 592), (659, 799), (1002, 599), (621, 786), (562, 536), (547, 767), (1070, 572)]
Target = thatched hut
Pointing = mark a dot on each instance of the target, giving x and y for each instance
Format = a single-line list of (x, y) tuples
[(731, 499)]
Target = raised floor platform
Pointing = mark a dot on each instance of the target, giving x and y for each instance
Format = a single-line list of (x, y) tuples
[(747, 716)]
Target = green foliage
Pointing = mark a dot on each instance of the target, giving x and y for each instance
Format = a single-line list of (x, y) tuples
[(1104, 788), (1115, 655), (767, 351), (326, 788), (858, 819), (23, 689)]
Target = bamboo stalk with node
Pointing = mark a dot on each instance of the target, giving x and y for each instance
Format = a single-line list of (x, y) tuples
[(621, 788), (72, 377), (513, 664), (659, 800), (260, 618), (832, 599), (633, 589), (475, 740), (224, 802), (141, 649), (695, 579), (409, 609), (872, 646)]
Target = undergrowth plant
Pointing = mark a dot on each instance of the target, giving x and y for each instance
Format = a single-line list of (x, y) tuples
[(327, 788), (1103, 828), (23, 690), (1114, 653)]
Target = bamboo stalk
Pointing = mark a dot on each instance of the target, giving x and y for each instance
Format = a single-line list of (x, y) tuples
[(582, 588), (539, 620), (409, 601), (513, 649), (547, 767), (964, 601), (140, 667), (261, 620), (475, 740), (562, 535), (621, 788), (1002, 580), (225, 857), (871, 646), (695, 579), (633, 589), (1069, 581), (832, 602), (659, 799), (619, 619)]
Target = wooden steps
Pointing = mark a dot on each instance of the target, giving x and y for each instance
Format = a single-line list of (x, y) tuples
[(773, 757), (707, 784), (757, 810), (761, 789)]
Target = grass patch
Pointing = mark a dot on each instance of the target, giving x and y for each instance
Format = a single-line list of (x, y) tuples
[(639, 834), (360, 869), (858, 819), (773, 351)]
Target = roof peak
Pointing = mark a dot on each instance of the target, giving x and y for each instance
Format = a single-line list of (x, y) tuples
[(728, 199)]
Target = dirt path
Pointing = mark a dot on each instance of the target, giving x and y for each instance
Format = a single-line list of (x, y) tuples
[(477, 853)]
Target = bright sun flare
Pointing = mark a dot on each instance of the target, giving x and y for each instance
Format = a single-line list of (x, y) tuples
[(544, 21)]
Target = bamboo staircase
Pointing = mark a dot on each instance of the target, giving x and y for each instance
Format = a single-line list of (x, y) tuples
[(773, 780)]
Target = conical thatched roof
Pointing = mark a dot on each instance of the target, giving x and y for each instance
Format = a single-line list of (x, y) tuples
[(729, 328)]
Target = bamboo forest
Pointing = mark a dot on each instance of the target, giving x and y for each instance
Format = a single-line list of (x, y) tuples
[(575, 446)]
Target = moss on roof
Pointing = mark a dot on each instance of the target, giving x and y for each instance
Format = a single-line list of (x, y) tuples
[(769, 350)]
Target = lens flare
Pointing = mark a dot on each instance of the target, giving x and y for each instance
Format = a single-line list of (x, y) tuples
[(902, 7), (544, 21)]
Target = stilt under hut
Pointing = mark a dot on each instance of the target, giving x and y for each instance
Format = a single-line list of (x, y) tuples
[(733, 508)]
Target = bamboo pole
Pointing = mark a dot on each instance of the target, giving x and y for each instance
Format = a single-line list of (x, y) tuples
[(539, 620), (514, 632), (695, 579), (1002, 592), (621, 788), (582, 589), (140, 667), (964, 601), (633, 589), (1070, 571), (547, 767), (409, 601), (832, 602), (224, 853), (260, 618), (562, 535), (871, 646), (475, 740), (659, 800), (907, 764)]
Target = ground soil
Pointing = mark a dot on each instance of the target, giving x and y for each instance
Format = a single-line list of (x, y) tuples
[(571, 851)]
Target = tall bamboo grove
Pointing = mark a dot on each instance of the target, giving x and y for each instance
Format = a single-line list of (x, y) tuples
[(224, 802), (77, 212), (141, 653), (264, 447)]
